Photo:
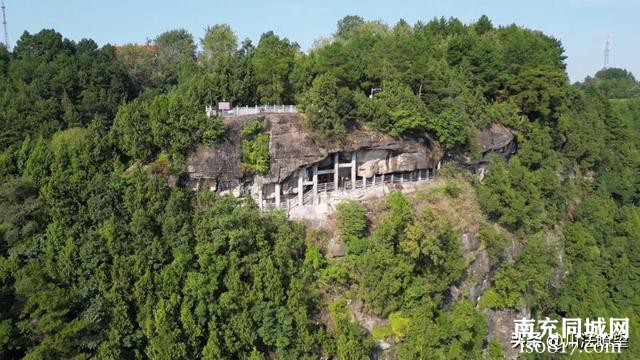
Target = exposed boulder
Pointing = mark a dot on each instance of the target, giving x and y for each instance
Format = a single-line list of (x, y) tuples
[(495, 140), (217, 167), (370, 161), (376, 162), (477, 273), (336, 247), (469, 242), (501, 325), (365, 318), (495, 137)]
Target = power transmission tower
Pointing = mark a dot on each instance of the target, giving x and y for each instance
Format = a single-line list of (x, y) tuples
[(4, 23), (606, 51)]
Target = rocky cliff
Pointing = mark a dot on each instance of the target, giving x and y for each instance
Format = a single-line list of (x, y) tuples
[(496, 137), (293, 146)]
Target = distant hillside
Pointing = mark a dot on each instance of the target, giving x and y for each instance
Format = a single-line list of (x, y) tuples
[(615, 83)]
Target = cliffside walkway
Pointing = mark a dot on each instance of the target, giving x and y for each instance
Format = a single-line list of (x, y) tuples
[(252, 110), (363, 183)]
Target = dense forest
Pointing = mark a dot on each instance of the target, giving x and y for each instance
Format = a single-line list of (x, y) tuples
[(101, 258)]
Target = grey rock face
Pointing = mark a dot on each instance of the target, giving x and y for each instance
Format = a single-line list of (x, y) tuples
[(336, 247), (495, 137), (292, 146)]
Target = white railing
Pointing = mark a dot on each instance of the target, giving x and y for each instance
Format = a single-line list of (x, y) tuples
[(307, 196), (326, 187), (268, 205), (253, 110)]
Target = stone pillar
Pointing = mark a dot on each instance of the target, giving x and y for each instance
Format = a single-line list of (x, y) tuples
[(353, 170), (336, 171), (373, 181), (260, 195), (364, 182), (315, 183), (300, 188), (419, 174), (277, 195)]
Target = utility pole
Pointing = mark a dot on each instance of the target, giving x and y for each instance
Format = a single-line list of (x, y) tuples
[(4, 23), (606, 51)]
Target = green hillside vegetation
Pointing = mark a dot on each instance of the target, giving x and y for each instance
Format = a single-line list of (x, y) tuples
[(101, 258), (402, 260)]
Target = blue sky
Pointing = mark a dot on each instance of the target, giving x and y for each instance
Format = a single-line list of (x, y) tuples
[(581, 25)]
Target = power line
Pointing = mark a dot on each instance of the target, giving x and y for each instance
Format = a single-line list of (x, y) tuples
[(4, 23)]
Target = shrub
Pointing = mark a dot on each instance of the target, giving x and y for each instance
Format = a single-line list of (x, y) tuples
[(255, 148), (352, 224), (452, 191)]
